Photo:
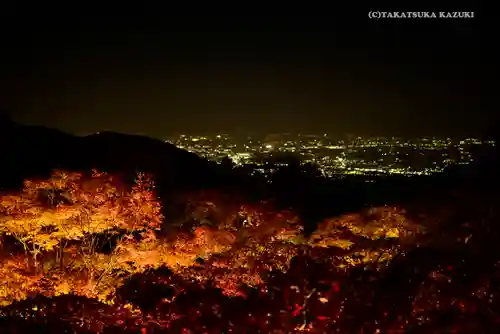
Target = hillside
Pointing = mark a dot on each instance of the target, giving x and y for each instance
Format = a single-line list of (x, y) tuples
[(30, 151)]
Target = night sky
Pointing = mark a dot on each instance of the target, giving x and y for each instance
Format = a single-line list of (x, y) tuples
[(159, 75)]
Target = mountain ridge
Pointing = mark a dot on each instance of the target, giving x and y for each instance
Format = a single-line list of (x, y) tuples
[(33, 151)]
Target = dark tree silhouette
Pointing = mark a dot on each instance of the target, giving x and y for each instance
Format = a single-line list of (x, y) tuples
[(227, 163)]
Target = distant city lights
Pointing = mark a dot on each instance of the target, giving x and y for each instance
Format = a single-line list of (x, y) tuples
[(360, 156)]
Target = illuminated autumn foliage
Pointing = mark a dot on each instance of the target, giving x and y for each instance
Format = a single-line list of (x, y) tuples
[(47, 215), (230, 264)]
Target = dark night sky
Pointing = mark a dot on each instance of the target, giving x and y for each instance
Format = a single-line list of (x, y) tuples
[(156, 75)]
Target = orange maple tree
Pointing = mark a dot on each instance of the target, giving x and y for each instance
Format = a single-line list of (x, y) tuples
[(77, 207)]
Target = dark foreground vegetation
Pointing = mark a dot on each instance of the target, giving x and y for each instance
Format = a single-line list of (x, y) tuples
[(114, 233)]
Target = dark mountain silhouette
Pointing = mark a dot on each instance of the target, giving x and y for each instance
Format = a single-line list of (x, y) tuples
[(128, 153), (33, 151)]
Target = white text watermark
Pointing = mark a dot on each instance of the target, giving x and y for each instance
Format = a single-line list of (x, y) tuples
[(374, 14)]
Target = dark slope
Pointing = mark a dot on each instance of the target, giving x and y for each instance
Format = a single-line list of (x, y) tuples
[(30, 151), (128, 153)]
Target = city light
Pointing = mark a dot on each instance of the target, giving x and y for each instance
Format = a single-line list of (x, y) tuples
[(372, 155)]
